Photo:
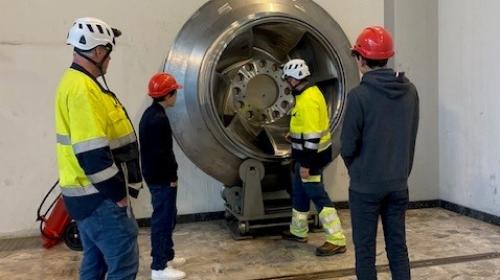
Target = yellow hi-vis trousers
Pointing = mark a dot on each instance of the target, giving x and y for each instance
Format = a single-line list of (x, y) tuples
[(299, 226), (331, 224)]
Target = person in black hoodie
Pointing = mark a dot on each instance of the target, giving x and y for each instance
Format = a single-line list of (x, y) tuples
[(159, 169), (378, 143)]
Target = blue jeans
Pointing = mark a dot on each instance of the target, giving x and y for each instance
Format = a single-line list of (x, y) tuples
[(365, 210), (109, 239), (303, 193), (163, 220)]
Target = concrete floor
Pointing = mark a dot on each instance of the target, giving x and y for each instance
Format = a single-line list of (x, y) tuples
[(442, 244)]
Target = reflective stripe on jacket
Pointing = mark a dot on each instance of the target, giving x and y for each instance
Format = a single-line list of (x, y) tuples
[(91, 125), (309, 130)]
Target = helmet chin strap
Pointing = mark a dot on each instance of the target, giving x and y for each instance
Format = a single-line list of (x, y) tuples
[(99, 64)]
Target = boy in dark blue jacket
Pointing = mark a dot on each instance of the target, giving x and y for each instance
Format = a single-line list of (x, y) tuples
[(159, 169)]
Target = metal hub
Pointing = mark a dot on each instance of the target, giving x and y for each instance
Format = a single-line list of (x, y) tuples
[(259, 94)]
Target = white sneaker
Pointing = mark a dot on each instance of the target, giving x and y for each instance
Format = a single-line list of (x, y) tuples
[(167, 274), (176, 262)]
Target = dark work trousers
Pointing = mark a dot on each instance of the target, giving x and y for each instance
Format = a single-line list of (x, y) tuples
[(365, 210), (163, 220), (303, 193)]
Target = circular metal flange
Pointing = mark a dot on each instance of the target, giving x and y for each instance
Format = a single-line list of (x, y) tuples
[(222, 118), (259, 93)]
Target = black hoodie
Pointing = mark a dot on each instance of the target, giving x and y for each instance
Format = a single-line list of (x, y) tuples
[(379, 131)]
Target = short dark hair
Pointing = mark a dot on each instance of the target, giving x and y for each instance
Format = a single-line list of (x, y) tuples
[(162, 98), (372, 63), (159, 99)]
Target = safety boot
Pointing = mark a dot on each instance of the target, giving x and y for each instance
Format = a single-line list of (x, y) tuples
[(329, 249), (298, 228), (292, 237)]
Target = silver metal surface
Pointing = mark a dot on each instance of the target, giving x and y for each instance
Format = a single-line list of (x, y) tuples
[(234, 104)]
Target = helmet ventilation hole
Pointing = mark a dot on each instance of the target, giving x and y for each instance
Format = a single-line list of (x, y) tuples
[(82, 40), (100, 29)]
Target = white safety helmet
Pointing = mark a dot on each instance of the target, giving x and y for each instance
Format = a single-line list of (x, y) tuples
[(296, 68), (88, 33)]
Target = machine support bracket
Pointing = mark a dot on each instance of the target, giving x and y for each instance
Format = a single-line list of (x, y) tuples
[(251, 173)]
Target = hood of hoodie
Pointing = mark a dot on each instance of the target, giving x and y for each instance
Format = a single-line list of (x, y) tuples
[(386, 81)]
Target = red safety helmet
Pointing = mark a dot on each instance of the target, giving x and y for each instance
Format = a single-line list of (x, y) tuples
[(375, 43), (162, 84)]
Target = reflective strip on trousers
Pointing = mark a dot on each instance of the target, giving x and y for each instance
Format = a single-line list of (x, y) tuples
[(299, 225), (122, 141), (299, 215), (90, 145), (297, 146), (74, 191), (330, 220), (63, 139), (310, 145), (334, 228), (103, 175)]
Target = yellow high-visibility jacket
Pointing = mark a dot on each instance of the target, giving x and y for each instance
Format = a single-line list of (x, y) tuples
[(94, 135), (309, 130)]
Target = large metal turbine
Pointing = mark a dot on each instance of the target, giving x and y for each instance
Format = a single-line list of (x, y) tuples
[(234, 104), (233, 113)]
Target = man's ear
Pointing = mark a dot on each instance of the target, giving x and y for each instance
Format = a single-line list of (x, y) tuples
[(95, 53), (100, 51)]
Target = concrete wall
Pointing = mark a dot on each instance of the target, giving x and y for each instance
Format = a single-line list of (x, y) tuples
[(32, 58), (33, 55), (469, 153), (414, 27)]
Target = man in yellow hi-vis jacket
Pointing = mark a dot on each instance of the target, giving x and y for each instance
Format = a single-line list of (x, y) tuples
[(97, 153), (311, 152)]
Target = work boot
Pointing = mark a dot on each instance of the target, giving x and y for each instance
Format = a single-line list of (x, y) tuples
[(167, 274), (176, 262), (329, 249), (292, 237)]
